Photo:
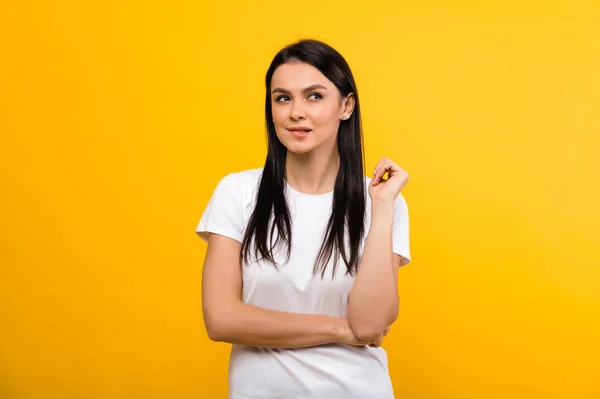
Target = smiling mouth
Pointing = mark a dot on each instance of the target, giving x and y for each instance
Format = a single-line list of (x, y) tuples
[(300, 133)]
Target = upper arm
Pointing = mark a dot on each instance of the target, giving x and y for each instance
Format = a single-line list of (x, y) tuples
[(221, 277), (397, 260), (400, 233), (222, 227)]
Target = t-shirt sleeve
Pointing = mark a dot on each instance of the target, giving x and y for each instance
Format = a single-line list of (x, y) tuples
[(224, 213), (400, 230)]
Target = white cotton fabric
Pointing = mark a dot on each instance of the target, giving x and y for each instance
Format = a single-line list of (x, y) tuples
[(334, 371)]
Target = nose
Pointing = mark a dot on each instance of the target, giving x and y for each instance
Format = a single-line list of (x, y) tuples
[(297, 112)]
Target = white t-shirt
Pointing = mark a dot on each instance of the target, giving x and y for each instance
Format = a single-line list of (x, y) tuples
[(333, 371)]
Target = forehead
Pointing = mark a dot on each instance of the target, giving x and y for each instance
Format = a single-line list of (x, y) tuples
[(298, 75)]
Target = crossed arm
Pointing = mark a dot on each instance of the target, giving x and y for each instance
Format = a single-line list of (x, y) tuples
[(372, 307)]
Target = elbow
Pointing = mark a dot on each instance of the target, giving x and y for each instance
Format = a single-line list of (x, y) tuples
[(220, 322), (372, 326), (365, 329), (366, 332), (215, 329), (214, 334)]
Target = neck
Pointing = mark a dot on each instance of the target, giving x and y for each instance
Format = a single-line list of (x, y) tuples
[(312, 173)]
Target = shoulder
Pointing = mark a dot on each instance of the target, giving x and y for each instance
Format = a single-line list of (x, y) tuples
[(239, 187), (246, 179), (247, 176), (239, 182)]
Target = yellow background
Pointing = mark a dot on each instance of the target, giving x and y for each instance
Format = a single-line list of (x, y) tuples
[(118, 118)]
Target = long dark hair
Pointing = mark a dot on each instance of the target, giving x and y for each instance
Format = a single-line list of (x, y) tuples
[(349, 198)]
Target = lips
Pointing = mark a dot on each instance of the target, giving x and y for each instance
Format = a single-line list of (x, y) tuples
[(300, 129), (299, 132)]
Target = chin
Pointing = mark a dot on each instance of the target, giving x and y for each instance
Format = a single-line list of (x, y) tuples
[(298, 148)]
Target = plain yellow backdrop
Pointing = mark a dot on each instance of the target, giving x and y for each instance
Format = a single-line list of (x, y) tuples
[(118, 118)]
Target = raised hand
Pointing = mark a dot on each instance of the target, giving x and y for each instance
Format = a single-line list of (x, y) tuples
[(387, 190)]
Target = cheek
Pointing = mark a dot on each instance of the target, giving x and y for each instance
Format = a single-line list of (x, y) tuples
[(280, 118), (326, 114), (278, 114)]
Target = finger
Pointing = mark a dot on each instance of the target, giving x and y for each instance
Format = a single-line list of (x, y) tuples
[(374, 178), (377, 173), (377, 169), (394, 169), (381, 172), (391, 167), (386, 164), (382, 160)]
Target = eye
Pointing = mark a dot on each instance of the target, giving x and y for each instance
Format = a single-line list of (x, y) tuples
[(278, 99), (316, 94)]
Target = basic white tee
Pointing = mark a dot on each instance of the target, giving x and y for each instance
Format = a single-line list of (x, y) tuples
[(333, 371)]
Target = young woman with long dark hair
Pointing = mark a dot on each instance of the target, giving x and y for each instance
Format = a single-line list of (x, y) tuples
[(301, 270)]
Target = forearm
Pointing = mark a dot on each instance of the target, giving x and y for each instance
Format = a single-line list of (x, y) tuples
[(374, 302), (250, 325)]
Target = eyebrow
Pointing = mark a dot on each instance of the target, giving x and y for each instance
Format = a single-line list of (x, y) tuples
[(309, 88)]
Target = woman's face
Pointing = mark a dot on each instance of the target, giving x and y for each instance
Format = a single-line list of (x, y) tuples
[(302, 97)]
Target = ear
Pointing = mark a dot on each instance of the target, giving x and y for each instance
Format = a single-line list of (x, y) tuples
[(347, 106)]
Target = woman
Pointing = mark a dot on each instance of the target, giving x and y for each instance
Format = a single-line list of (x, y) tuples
[(309, 242)]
